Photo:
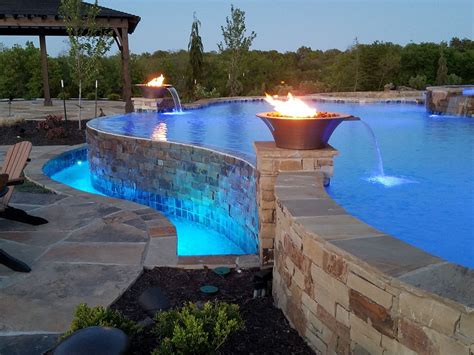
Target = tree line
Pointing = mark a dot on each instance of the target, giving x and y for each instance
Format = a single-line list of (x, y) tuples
[(235, 69)]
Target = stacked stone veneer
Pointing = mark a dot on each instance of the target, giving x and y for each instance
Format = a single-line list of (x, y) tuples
[(270, 162), (348, 288), (198, 184), (450, 100)]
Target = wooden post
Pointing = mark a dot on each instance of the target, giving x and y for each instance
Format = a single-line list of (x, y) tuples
[(127, 80), (44, 70)]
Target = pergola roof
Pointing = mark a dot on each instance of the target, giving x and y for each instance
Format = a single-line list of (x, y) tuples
[(41, 17)]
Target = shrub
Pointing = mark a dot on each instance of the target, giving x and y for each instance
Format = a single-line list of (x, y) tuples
[(201, 92), (51, 122), (193, 330), (53, 126), (453, 79), (90, 96), (85, 316), (417, 82), (113, 97)]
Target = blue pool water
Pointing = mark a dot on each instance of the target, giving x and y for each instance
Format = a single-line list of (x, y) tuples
[(426, 197), (193, 238)]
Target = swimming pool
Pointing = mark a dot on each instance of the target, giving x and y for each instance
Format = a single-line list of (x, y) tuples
[(429, 198)]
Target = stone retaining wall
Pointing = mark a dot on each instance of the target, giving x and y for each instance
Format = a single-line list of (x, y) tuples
[(202, 185), (270, 162), (348, 288)]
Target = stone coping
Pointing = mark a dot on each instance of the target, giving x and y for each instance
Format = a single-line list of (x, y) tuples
[(313, 211), (159, 252), (410, 97)]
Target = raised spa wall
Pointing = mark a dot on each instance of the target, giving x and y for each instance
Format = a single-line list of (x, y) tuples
[(451, 100), (198, 184), (347, 287)]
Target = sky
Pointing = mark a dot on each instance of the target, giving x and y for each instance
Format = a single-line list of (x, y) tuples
[(288, 25)]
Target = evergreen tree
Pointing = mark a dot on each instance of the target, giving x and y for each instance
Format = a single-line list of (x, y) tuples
[(442, 73), (196, 50)]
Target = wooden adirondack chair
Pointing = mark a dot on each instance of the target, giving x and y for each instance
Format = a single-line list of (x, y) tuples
[(15, 161)]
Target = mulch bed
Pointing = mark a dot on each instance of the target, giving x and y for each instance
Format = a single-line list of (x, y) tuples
[(266, 329), (27, 130)]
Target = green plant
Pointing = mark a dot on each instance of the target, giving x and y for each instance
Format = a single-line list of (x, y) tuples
[(194, 330), (90, 96), (235, 47), (113, 97), (453, 79), (417, 82), (86, 316), (200, 92)]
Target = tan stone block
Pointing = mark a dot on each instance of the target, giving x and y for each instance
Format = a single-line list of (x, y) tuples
[(267, 243), (267, 183), (288, 165), (295, 316), (324, 298), (429, 312), (415, 338), (290, 266), (316, 326), (298, 278), (267, 195), (368, 289), (313, 250), (267, 215), (366, 309), (318, 346), (308, 164), (335, 265), (328, 291), (342, 315), (466, 326), (364, 335), (375, 279), (266, 230), (295, 239), (325, 162), (263, 204), (445, 344), (265, 165), (393, 347), (309, 303)]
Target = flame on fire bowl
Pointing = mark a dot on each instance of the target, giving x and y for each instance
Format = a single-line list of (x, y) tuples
[(153, 92), (303, 132)]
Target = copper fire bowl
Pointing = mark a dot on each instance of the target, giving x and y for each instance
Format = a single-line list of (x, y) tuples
[(303, 133), (153, 92)]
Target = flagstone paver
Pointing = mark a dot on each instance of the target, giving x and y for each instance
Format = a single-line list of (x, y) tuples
[(91, 251)]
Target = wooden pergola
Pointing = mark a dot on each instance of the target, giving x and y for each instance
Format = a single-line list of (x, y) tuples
[(41, 18)]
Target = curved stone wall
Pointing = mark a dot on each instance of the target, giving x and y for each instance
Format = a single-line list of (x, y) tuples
[(348, 288), (202, 185)]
